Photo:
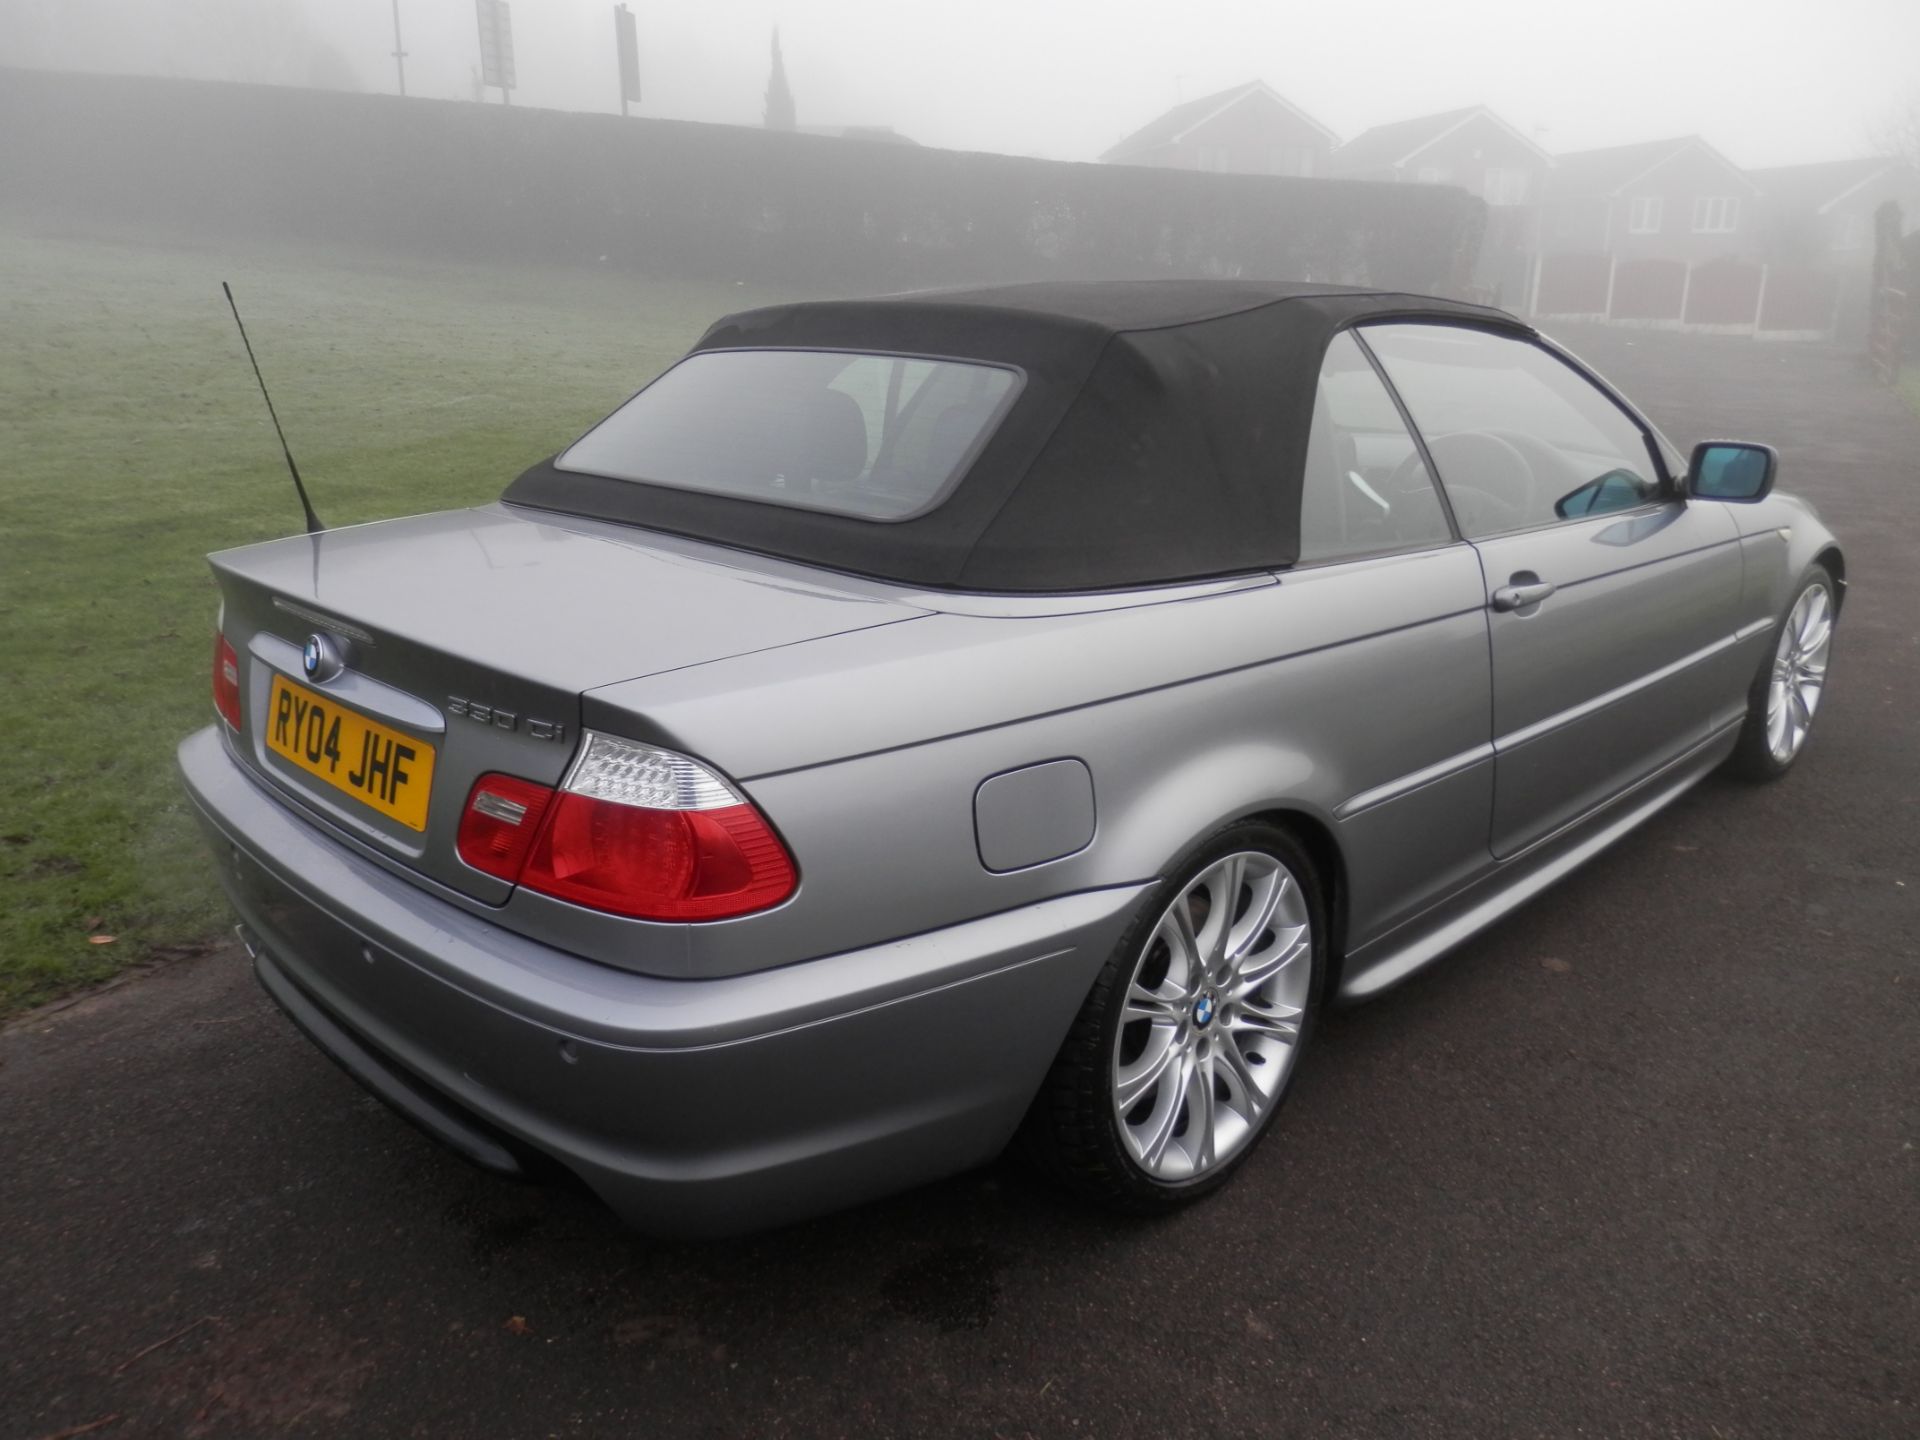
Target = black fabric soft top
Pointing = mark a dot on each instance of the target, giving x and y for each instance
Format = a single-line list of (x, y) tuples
[(1159, 435)]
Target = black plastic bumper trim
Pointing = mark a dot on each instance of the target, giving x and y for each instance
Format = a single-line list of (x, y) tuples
[(397, 1090)]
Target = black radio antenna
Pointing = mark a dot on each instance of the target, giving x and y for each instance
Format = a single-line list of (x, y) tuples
[(314, 527)]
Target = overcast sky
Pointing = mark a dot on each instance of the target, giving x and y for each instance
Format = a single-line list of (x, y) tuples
[(1769, 81)]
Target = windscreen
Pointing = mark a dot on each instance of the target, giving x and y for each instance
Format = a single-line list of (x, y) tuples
[(881, 437)]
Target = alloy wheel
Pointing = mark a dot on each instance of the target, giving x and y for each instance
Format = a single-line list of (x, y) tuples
[(1799, 673), (1212, 1016)]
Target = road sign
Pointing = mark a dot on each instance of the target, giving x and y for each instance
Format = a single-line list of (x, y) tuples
[(496, 44), (628, 40)]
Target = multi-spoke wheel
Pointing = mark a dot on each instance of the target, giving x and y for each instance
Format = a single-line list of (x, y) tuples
[(1787, 691), (1188, 1041)]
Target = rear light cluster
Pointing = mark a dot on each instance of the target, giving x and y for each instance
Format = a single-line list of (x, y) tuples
[(226, 681), (632, 830)]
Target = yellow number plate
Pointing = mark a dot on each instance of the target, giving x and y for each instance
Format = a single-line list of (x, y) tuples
[(379, 767)]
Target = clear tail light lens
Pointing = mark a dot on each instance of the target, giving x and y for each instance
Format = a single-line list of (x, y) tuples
[(226, 681), (634, 831)]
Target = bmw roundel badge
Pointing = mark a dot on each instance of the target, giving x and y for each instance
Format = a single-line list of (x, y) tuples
[(320, 658)]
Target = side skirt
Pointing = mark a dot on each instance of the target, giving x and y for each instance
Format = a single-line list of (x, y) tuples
[(1412, 946)]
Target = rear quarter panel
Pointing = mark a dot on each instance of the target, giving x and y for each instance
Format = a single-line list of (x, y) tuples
[(866, 750)]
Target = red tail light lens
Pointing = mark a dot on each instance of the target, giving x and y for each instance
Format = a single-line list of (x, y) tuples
[(634, 831), (226, 681), (500, 822), (659, 864)]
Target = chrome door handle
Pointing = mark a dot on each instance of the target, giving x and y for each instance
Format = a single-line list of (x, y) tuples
[(1519, 597)]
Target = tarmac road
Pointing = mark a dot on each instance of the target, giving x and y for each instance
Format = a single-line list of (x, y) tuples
[(1640, 1161)]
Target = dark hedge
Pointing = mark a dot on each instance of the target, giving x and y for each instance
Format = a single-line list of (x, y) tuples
[(491, 182)]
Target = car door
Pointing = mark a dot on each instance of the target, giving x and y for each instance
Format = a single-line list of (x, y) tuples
[(1401, 710), (1612, 601)]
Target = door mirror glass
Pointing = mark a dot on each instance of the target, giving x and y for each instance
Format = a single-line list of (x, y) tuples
[(1731, 470)]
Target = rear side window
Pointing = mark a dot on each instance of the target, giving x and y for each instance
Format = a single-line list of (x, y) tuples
[(1519, 437), (1365, 490), (883, 437)]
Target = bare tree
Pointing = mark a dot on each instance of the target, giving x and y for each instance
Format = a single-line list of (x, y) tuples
[(1898, 135)]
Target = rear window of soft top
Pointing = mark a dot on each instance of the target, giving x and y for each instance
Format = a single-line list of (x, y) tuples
[(882, 437)]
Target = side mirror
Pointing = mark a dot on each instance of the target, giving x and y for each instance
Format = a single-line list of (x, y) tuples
[(1731, 470)]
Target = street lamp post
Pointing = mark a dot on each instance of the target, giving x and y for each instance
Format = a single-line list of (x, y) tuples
[(399, 52)]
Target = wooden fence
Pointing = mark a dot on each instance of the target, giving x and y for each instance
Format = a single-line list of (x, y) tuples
[(1891, 308), (1730, 295)]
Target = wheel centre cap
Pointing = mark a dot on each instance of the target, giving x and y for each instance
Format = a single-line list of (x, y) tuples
[(1203, 1011)]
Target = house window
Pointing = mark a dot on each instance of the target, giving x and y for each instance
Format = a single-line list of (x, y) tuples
[(1292, 160), (1433, 175), (1212, 157), (1716, 215), (1505, 187), (1853, 232), (1644, 214)]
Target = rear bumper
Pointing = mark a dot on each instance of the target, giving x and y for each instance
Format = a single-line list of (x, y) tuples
[(690, 1106)]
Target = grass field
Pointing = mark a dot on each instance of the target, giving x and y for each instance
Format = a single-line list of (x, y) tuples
[(133, 441)]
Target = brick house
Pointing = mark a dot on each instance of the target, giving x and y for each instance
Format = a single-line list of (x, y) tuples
[(1821, 217), (1478, 151), (1248, 130), (1472, 148), (1664, 233), (1669, 200), (1823, 214)]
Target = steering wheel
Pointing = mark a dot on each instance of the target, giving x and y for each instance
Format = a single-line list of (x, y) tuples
[(1500, 494), (1553, 472)]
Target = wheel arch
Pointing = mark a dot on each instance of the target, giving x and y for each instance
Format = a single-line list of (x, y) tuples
[(1835, 564), (1330, 866)]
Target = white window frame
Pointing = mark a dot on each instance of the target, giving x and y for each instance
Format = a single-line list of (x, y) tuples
[(1505, 185), (1292, 159), (1716, 214), (1645, 215)]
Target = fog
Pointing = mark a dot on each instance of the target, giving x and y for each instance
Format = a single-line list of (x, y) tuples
[(1768, 82), (1601, 1196), (1558, 163)]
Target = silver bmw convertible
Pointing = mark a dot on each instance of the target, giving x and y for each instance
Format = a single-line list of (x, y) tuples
[(911, 724)]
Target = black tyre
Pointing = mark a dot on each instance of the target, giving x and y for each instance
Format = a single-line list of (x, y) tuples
[(1188, 1042), (1787, 690)]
